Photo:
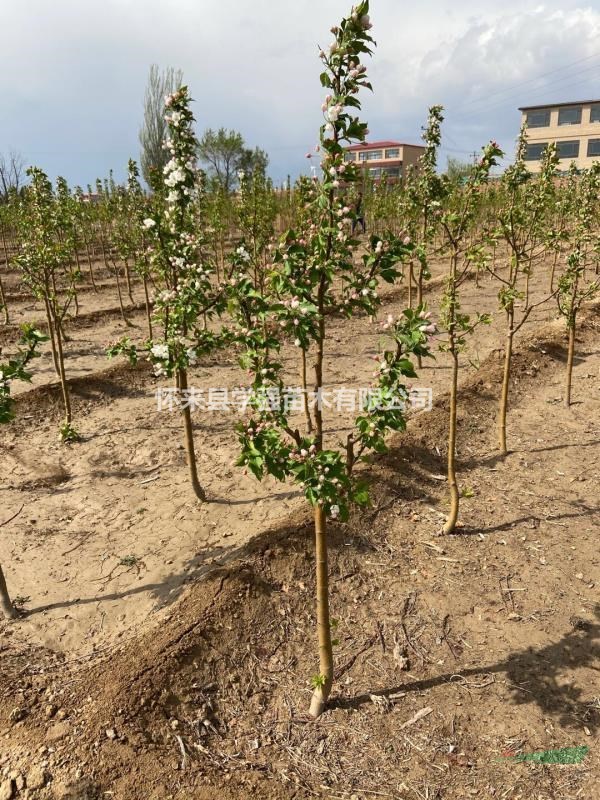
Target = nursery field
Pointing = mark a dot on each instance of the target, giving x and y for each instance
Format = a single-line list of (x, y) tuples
[(149, 615), (299, 486)]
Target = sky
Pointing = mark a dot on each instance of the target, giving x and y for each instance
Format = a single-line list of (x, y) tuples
[(73, 72)]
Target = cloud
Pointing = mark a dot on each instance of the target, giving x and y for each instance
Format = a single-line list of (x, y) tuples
[(72, 74), (485, 72)]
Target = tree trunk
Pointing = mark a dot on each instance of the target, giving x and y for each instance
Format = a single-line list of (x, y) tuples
[(309, 424), (3, 303), (450, 524), (89, 260), (325, 678), (6, 606), (553, 272), (502, 411), (63, 379), (124, 318), (189, 436), (419, 304), (52, 335), (128, 278), (570, 358), (148, 311)]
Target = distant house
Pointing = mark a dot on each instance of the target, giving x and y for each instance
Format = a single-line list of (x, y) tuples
[(575, 127), (93, 198), (389, 159)]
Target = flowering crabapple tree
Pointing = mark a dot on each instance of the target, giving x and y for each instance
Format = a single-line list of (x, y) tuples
[(573, 290), (15, 369), (187, 296), (315, 274), (458, 219)]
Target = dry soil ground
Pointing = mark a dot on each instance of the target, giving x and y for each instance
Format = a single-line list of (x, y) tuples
[(166, 646)]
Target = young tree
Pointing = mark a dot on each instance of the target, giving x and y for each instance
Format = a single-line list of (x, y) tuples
[(135, 245), (7, 220), (420, 201), (187, 295), (154, 128), (66, 207), (15, 370), (218, 210), (457, 219), (310, 266), (573, 290), (256, 212), (47, 271), (522, 224)]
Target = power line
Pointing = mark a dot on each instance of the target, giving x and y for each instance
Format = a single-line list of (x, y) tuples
[(527, 82), (536, 93)]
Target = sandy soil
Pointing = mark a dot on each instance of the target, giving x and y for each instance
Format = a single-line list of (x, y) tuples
[(500, 631)]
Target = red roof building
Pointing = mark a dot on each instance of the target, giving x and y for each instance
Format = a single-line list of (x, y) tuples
[(385, 158)]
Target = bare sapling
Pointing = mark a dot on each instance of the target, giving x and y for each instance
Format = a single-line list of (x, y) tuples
[(134, 242), (424, 189), (46, 268), (573, 288), (458, 223), (522, 224)]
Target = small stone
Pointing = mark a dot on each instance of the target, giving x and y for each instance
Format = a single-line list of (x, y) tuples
[(111, 734), (20, 782), (50, 711), (17, 714), (174, 724), (36, 778), (6, 789), (57, 731)]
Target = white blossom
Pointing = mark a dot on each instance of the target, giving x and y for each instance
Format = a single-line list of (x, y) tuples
[(192, 356), (160, 351)]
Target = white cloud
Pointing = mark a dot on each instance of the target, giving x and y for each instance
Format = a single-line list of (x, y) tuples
[(72, 74)]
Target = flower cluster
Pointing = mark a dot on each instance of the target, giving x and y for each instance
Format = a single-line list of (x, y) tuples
[(187, 294), (315, 271)]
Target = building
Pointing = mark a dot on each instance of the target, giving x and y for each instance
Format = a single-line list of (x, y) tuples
[(384, 158), (575, 127)]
